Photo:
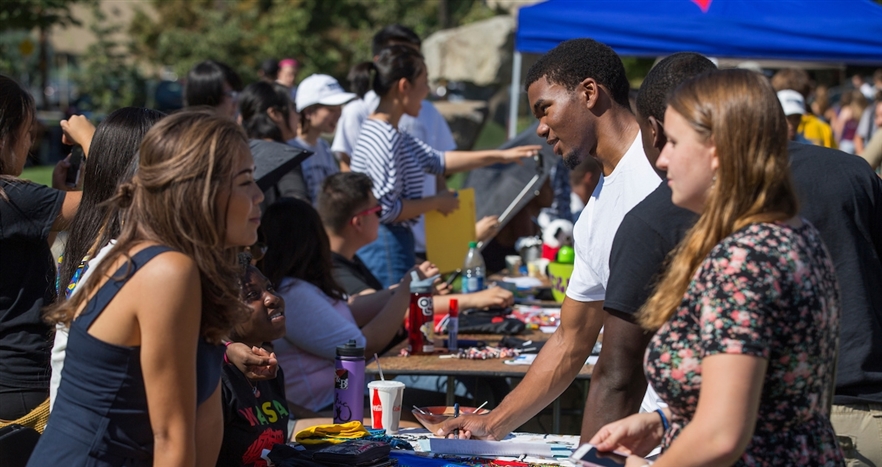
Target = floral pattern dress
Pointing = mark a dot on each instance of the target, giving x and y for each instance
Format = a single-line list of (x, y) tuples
[(768, 290)]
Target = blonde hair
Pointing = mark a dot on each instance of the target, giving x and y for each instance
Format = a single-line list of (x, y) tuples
[(739, 112), (185, 161)]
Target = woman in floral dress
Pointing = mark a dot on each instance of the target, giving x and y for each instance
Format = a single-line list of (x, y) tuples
[(748, 310)]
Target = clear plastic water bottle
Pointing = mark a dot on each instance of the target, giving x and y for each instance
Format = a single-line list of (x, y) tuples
[(473, 270)]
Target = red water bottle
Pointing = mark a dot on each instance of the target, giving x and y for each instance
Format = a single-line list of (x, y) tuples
[(421, 333)]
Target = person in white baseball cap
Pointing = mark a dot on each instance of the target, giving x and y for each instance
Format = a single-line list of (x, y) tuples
[(794, 107), (319, 101)]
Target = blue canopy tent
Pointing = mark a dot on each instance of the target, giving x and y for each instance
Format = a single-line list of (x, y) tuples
[(844, 31)]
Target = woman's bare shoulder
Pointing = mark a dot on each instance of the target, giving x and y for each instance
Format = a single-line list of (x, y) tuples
[(165, 272)]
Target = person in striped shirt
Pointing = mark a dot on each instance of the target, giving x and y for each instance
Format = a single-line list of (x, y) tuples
[(395, 161)]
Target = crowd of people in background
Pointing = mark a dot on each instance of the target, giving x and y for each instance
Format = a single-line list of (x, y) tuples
[(848, 124), (730, 254)]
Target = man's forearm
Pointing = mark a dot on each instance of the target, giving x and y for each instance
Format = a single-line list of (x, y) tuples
[(617, 382), (608, 401), (555, 367)]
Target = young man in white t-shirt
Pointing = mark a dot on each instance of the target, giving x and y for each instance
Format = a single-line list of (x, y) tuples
[(579, 93)]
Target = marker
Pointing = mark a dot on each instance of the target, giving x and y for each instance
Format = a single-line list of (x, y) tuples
[(453, 325), (456, 415)]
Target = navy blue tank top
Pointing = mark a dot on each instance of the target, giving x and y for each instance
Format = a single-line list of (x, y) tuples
[(100, 415)]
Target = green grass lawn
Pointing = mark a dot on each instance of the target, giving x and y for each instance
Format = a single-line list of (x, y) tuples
[(41, 174)]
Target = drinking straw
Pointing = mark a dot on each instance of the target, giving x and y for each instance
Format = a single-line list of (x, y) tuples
[(481, 406), (379, 368)]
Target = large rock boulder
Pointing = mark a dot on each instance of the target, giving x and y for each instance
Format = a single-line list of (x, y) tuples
[(510, 6), (478, 53)]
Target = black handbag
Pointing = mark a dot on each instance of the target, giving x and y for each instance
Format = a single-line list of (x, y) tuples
[(16, 445), (481, 323)]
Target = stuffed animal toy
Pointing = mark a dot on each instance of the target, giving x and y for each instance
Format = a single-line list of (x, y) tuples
[(555, 234)]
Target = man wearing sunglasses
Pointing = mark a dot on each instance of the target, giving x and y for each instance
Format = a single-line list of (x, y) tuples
[(350, 214)]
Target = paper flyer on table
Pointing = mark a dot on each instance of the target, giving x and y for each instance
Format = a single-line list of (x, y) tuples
[(527, 359), (473, 447)]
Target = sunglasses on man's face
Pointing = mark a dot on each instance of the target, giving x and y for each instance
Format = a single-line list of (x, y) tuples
[(374, 210)]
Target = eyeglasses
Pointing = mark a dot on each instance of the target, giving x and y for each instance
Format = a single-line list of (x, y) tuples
[(374, 210), (258, 251)]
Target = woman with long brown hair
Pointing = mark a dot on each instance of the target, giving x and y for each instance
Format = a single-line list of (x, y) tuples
[(132, 379), (748, 310)]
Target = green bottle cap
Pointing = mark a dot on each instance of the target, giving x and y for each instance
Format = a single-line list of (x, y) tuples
[(566, 255)]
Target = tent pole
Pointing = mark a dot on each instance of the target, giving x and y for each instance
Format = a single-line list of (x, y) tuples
[(514, 97)]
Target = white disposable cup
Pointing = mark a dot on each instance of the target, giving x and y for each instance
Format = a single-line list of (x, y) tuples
[(385, 397)]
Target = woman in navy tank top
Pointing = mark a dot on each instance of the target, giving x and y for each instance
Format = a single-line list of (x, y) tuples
[(133, 375)]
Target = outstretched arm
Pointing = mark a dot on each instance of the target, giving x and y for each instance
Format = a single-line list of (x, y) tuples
[(551, 373), (461, 161)]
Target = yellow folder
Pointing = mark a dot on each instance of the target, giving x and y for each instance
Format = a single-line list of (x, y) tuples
[(448, 237)]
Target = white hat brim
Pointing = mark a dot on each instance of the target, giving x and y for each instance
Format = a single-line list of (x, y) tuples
[(337, 99)]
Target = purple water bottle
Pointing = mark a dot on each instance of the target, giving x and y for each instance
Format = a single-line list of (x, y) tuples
[(349, 383)]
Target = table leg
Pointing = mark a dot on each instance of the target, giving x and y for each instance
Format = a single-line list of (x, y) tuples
[(451, 390)]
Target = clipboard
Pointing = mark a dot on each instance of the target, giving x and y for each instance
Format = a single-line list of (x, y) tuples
[(448, 237)]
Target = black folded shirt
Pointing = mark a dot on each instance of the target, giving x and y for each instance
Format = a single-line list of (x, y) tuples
[(357, 452)]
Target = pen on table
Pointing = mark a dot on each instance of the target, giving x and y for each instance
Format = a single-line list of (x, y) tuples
[(456, 415)]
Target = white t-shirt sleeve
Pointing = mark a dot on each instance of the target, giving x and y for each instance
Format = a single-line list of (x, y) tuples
[(586, 284), (348, 127), (313, 324), (631, 181)]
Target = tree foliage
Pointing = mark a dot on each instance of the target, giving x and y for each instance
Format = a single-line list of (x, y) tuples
[(325, 36), (107, 74), (31, 14), (12, 61)]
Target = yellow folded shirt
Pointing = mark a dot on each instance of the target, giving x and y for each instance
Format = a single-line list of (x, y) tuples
[(331, 434)]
